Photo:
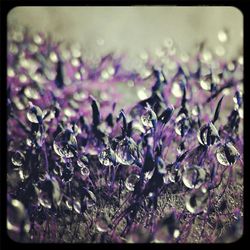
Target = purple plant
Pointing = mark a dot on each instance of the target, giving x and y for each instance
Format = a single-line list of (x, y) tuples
[(167, 168)]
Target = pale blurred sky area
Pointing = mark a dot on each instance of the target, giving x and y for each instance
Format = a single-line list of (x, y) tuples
[(133, 29)]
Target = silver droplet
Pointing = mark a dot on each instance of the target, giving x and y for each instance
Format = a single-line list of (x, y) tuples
[(182, 124), (227, 154), (208, 134), (131, 181), (85, 172), (18, 159), (196, 201), (102, 223), (107, 157), (193, 177), (149, 118), (161, 166), (126, 151), (35, 114), (17, 217), (65, 144)]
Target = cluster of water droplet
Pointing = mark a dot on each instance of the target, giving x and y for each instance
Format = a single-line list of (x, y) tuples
[(69, 165)]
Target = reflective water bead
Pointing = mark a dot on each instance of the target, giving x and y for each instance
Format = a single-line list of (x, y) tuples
[(196, 201), (48, 115), (107, 157), (102, 223), (182, 124), (56, 192), (80, 164), (77, 206), (148, 175), (176, 90), (69, 204), (31, 93), (149, 118), (205, 82), (174, 175), (194, 177), (65, 144), (44, 199), (126, 151), (67, 174), (18, 159), (131, 181), (208, 134), (85, 172), (161, 166), (223, 36), (34, 114), (90, 199), (17, 217), (23, 174), (227, 154)]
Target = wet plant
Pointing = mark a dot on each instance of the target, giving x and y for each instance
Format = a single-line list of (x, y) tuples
[(86, 166)]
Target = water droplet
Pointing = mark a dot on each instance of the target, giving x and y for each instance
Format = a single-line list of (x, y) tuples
[(196, 201), (227, 154), (38, 39), (182, 124), (194, 177), (44, 200), (205, 82), (220, 50), (53, 57), (56, 193), (48, 115), (85, 172), (131, 181), (77, 206), (195, 111), (176, 90), (17, 218), (31, 93), (90, 199), (148, 175), (126, 151), (102, 223), (69, 204), (222, 36), (10, 72), (143, 93), (149, 118), (174, 175), (107, 157), (65, 144), (67, 174), (18, 159), (208, 134), (176, 233), (34, 114), (161, 166)]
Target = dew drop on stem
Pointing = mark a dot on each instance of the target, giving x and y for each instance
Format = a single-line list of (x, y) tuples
[(131, 181), (35, 114), (193, 177), (126, 151), (18, 159), (196, 201), (227, 154), (65, 144), (149, 118)]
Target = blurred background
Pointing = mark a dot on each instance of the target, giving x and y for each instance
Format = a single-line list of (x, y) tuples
[(135, 29)]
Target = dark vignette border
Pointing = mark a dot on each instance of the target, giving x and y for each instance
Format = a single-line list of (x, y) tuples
[(7, 5)]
